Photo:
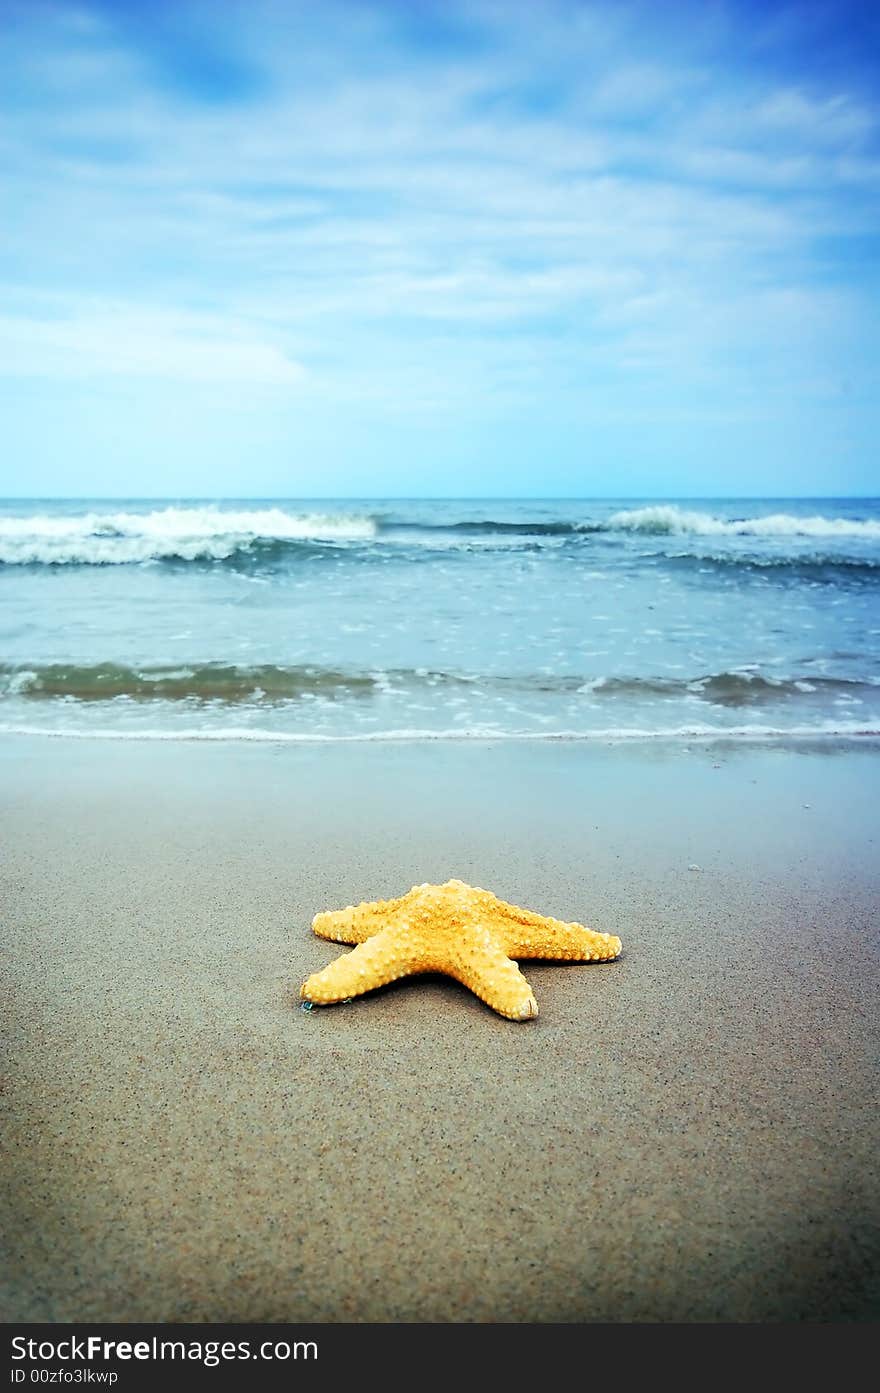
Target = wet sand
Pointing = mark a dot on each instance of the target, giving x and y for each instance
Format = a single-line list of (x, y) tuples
[(689, 1133)]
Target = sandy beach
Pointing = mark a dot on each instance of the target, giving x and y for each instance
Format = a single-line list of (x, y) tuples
[(687, 1134)]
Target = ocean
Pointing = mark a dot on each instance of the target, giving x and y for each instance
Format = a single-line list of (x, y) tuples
[(636, 620)]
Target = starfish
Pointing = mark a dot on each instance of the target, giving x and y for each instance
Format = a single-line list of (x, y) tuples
[(464, 932)]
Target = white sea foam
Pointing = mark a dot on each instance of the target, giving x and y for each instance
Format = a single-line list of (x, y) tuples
[(668, 520), (611, 735), (21, 681), (186, 534)]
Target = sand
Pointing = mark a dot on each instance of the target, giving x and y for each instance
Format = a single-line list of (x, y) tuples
[(688, 1134)]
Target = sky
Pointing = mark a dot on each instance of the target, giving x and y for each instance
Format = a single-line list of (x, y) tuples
[(471, 248)]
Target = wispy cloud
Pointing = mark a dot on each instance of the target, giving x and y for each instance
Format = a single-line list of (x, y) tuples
[(118, 340)]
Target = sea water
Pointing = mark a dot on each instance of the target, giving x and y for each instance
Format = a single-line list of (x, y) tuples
[(390, 619)]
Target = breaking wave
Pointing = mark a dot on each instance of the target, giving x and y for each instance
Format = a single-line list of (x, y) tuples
[(183, 534), (665, 520), (267, 684), (214, 534)]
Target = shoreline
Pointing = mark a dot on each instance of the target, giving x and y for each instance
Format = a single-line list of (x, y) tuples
[(799, 737), (688, 1133)]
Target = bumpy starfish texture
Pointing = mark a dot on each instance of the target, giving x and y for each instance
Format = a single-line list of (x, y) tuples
[(464, 932)]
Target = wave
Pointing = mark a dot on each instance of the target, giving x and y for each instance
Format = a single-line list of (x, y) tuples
[(267, 535), (201, 682), (823, 732), (184, 534), (264, 536), (664, 520), (730, 689), (491, 527), (269, 683), (818, 565)]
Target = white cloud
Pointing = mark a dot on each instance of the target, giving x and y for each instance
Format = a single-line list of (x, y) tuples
[(364, 202), (833, 120), (639, 89), (130, 342)]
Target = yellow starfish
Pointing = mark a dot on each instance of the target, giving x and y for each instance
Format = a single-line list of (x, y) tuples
[(452, 928)]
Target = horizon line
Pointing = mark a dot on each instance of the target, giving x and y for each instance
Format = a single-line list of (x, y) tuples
[(441, 498)]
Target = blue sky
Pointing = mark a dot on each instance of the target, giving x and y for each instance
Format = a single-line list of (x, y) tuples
[(354, 248)]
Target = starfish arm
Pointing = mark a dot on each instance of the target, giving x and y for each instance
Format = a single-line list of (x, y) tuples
[(489, 973), (382, 958), (528, 935), (357, 922)]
